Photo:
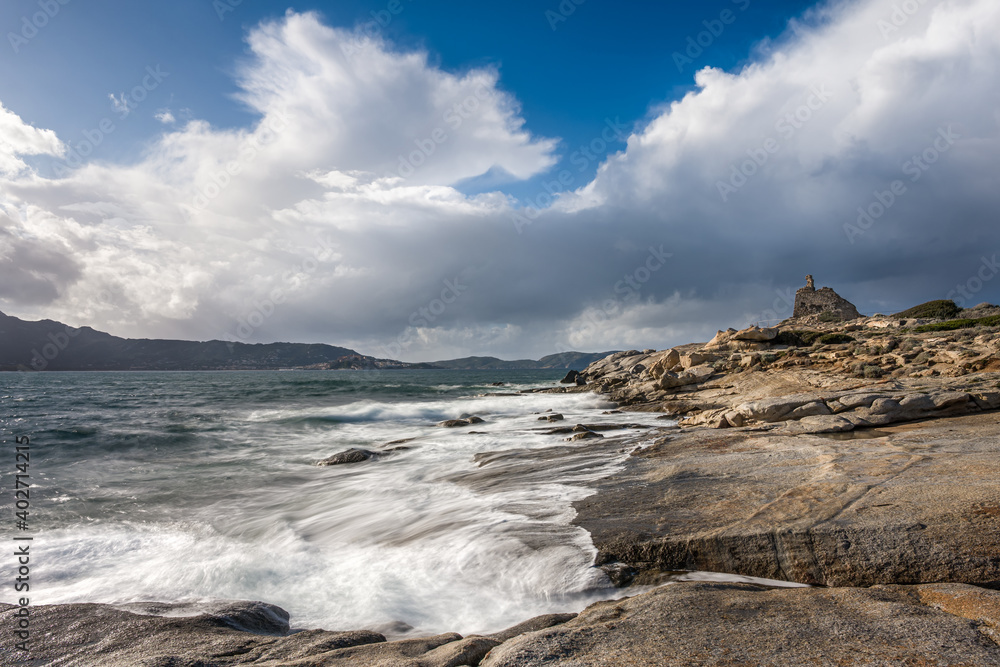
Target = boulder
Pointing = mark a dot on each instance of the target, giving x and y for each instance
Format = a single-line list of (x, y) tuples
[(662, 362), (755, 334), (584, 435), (694, 375), (774, 409), (570, 378), (692, 359), (721, 339), (348, 456)]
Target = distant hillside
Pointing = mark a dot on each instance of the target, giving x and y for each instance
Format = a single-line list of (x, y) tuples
[(576, 361), (53, 346), (48, 345)]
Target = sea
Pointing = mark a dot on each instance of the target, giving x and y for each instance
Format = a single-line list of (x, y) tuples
[(196, 487)]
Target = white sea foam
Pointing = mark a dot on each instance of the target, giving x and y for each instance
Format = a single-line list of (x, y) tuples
[(423, 535)]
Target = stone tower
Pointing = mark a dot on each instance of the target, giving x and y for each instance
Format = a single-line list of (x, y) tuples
[(812, 301)]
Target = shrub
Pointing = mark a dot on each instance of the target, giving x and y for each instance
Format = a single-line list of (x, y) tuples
[(872, 372), (953, 325), (830, 316), (922, 358), (809, 337), (938, 310), (835, 339)]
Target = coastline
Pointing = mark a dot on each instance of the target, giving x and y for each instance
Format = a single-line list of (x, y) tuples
[(877, 492)]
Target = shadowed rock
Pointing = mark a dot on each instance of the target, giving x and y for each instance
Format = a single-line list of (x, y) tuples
[(348, 456)]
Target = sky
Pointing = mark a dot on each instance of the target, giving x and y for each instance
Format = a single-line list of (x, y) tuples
[(422, 181)]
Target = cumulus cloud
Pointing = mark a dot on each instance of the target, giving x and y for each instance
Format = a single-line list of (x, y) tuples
[(18, 139), (338, 217), (165, 116)]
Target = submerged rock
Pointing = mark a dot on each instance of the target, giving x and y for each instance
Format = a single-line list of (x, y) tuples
[(464, 421), (348, 456)]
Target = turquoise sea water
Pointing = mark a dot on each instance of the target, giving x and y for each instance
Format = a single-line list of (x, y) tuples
[(200, 486)]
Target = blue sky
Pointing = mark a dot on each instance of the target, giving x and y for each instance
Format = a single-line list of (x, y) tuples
[(570, 71), (417, 190)]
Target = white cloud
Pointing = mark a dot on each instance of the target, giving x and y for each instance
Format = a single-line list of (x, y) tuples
[(165, 116), (336, 217), (17, 139)]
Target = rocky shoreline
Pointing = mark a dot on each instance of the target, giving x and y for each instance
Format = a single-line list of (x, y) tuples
[(858, 456)]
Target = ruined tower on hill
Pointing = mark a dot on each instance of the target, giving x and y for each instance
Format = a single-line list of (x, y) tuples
[(812, 301)]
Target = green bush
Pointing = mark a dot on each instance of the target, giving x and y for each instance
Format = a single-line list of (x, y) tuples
[(954, 325), (872, 372), (830, 316), (809, 337), (938, 310), (835, 339)]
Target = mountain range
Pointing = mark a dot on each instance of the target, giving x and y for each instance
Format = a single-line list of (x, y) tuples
[(54, 346)]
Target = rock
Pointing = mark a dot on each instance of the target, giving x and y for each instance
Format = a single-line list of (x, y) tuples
[(536, 623), (663, 362), (721, 339), (755, 334), (774, 409), (810, 301), (464, 421), (809, 410), (570, 377), (741, 624), (620, 574), (918, 505), (99, 635), (695, 375), (585, 435), (691, 359), (551, 418), (348, 456), (818, 424)]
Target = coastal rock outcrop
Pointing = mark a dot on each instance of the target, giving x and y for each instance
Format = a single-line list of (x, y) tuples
[(232, 633), (743, 624), (812, 301), (904, 505)]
